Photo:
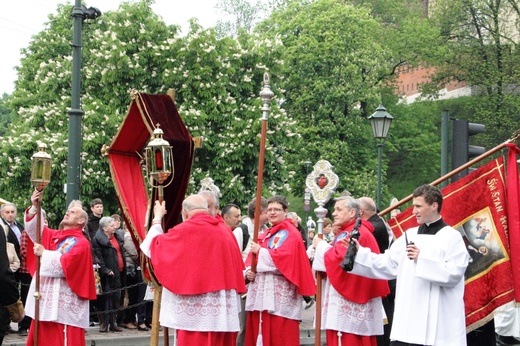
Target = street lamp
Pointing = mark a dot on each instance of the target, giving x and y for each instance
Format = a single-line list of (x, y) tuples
[(380, 122), (79, 14)]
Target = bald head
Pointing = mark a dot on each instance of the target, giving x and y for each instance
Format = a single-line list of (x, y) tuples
[(367, 207), (74, 218), (194, 204)]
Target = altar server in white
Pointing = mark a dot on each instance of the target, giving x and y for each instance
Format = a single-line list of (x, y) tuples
[(429, 262)]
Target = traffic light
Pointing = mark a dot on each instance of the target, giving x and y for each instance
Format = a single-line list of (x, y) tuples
[(462, 151)]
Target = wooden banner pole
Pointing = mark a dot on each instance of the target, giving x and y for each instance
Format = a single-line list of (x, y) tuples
[(455, 171)]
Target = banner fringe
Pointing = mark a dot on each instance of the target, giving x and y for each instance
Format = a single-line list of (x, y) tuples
[(489, 317)]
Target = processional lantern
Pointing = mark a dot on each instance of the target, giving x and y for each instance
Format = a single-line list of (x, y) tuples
[(159, 160), (41, 168), (40, 178)]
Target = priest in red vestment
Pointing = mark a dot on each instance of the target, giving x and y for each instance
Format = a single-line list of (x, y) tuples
[(352, 311), (66, 267), (200, 267), (283, 276)]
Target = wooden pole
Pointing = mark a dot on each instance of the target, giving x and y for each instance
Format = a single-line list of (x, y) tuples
[(37, 293), (266, 94), (157, 296), (317, 320), (158, 288), (453, 172), (259, 189)]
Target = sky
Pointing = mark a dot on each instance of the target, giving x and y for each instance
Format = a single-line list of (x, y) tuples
[(21, 19)]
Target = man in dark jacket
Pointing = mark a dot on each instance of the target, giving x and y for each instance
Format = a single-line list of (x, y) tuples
[(96, 206), (13, 231), (9, 296)]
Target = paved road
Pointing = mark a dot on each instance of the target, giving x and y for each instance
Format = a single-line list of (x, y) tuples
[(140, 338)]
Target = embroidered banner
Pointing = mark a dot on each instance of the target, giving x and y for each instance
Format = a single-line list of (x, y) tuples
[(476, 206)]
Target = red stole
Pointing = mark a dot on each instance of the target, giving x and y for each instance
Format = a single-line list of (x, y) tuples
[(352, 287), (198, 256), (285, 245)]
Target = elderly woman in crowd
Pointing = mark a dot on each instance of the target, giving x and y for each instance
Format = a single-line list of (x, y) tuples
[(108, 247)]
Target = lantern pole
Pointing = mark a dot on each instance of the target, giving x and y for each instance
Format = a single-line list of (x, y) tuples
[(159, 163), (40, 178), (322, 182)]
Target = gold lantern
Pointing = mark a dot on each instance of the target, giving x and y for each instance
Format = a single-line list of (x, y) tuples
[(159, 160), (41, 168)]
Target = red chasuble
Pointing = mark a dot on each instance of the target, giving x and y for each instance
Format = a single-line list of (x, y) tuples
[(198, 256), (285, 245), (352, 287)]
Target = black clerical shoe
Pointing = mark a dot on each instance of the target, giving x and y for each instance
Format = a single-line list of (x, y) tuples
[(143, 327), (507, 340)]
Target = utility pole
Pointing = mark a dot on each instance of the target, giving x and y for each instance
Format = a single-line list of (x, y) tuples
[(79, 14), (445, 133)]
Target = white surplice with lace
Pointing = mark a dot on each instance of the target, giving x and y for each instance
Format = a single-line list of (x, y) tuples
[(272, 292), (341, 314), (58, 303), (208, 312)]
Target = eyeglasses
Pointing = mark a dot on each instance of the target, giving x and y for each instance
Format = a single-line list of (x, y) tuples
[(274, 210)]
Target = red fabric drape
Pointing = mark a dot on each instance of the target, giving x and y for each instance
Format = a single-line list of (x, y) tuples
[(124, 154)]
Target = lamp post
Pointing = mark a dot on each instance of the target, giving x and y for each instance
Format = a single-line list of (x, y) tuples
[(380, 122), (79, 13), (40, 178)]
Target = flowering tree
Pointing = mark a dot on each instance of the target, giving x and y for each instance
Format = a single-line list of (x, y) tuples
[(217, 83)]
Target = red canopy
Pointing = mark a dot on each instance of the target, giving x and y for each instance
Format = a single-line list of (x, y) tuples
[(125, 156)]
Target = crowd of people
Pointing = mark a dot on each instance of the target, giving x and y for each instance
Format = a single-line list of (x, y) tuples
[(83, 247), (223, 286)]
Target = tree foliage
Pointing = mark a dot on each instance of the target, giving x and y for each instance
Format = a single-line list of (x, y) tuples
[(217, 81), (340, 59), (238, 15), (5, 113), (482, 41), (331, 63)]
